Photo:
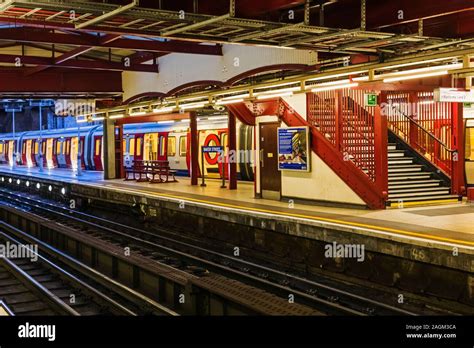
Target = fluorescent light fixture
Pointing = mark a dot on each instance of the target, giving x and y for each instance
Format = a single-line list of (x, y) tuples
[(191, 106), (415, 76), (217, 118), (229, 101), (270, 96), (186, 121), (337, 75), (422, 70), (113, 117), (163, 110), (138, 113), (82, 121), (97, 118), (334, 87), (414, 63), (278, 91), (165, 122)]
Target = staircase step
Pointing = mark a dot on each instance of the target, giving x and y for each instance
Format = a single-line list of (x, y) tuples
[(403, 160), (397, 154), (405, 169), (419, 194), (392, 146), (397, 183), (417, 189), (408, 185)]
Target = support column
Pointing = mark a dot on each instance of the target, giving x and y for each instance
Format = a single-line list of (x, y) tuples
[(109, 149), (413, 135), (232, 136), (339, 121), (380, 149), (457, 181), (194, 165)]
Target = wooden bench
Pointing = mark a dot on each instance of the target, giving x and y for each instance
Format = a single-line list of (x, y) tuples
[(151, 171)]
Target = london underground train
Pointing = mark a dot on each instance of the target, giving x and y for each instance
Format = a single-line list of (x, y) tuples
[(166, 140)]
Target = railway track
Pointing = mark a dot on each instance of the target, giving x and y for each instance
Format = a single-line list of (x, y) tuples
[(197, 260), (46, 285)]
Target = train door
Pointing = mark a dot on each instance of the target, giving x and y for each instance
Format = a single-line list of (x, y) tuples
[(98, 152), (138, 156), (74, 150), (67, 153), (11, 151), (162, 154), (49, 153), (128, 145), (28, 153), (151, 147), (55, 152), (2, 152), (60, 151), (270, 176), (24, 155)]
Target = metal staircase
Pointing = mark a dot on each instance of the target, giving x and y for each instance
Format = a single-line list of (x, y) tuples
[(411, 183)]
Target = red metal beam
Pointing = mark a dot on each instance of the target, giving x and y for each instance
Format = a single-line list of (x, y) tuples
[(61, 81), (71, 54), (45, 36), (79, 64)]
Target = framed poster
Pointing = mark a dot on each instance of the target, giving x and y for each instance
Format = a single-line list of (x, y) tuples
[(293, 149)]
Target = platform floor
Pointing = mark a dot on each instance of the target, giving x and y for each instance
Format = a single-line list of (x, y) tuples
[(447, 224)]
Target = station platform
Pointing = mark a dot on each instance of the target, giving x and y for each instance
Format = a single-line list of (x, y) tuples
[(449, 225)]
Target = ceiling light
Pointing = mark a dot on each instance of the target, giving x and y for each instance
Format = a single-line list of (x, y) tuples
[(271, 96), (138, 113), (230, 101), (116, 116), (334, 87), (191, 106), (163, 110), (338, 75), (165, 122), (415, 76)]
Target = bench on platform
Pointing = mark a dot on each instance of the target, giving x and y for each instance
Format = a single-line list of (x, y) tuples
[(150, 171)]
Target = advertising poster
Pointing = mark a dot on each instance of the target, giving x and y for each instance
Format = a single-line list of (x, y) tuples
[(293, 149)]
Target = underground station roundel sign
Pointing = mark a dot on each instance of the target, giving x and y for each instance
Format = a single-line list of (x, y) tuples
[(293, 149)]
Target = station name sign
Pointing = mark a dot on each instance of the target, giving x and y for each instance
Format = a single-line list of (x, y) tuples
[(453, 95)]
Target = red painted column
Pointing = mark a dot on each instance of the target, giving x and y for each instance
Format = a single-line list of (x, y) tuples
[(194, 163), (338, 119), (119, 165), (380, 148), (413, 100), (457, 181), (232, 136)]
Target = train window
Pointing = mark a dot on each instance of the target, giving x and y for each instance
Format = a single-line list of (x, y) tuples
[(97, 147), (182, 146), (139, 146), (131, 151), (171, 146), (124, 145), (24, 148), (58, 148), (36, 148), (1, 147), (68, 145)]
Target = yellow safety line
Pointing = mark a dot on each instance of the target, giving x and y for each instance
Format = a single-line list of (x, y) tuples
[(310, 217), (418, 203)]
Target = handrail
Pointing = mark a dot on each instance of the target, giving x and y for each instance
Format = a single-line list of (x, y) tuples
[(423, 129)]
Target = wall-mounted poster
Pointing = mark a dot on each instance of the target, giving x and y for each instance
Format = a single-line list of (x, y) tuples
[(293, 149)]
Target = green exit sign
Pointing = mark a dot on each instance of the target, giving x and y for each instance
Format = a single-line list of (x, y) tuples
[(370, 99)]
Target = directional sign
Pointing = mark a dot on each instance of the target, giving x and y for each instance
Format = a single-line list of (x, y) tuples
[(370, 99), (453, 95)]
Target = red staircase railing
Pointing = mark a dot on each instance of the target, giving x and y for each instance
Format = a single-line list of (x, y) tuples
[(358, 135), (426, 125)]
